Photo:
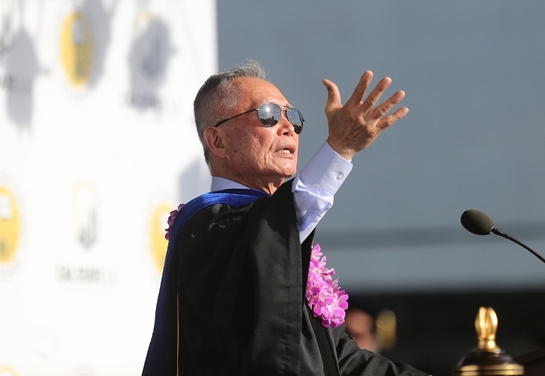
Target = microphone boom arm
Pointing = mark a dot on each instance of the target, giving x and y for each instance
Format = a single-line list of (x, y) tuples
[(506, 236)]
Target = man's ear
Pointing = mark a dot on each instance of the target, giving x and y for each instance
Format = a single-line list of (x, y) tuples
[(214, 139)]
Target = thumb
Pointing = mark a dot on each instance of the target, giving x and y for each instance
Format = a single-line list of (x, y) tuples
[(333, 96)]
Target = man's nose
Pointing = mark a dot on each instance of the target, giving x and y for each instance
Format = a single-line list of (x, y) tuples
[(285, 127)]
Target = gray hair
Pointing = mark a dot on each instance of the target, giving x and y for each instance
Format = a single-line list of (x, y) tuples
[(218, 94)]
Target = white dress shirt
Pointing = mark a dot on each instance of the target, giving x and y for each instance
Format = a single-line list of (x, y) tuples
[(313, 187)]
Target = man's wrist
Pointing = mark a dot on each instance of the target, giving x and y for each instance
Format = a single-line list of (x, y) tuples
[(326, 168)]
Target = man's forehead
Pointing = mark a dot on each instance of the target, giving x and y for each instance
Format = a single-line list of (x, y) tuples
[(256, 91)]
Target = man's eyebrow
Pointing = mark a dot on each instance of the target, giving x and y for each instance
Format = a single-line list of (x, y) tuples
[(287, 105)]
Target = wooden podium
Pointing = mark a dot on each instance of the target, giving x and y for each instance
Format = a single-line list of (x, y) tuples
[(533, 362)]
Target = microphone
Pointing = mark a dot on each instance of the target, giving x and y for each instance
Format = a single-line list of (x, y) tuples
[(479, 223)]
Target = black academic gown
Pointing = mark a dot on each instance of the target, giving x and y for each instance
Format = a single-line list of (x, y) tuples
[(239, 306)]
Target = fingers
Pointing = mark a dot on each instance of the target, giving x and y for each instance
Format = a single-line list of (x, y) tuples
[(367, 106), (333, 96), (384, 108), (391, 119), (361, 88), (375, 94), (359, 122)]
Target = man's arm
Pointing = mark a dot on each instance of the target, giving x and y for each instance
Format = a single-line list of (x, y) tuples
[(315, 185), (352, 128), (354, 361)]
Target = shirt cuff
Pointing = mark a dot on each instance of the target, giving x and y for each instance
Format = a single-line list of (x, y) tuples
[(327, 169)]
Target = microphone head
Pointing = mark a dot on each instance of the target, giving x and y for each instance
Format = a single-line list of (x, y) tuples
[(477, 222)]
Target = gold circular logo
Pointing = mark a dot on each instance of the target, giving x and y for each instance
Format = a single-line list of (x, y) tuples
[(10, 226), (76, 49), (158, 224)]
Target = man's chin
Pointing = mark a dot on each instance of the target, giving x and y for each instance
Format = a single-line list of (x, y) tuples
[(289, 172)]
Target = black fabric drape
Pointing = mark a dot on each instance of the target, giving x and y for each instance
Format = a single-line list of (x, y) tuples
[(241, 278)]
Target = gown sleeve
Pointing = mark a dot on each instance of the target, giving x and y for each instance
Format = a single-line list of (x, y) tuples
[(354, 361)]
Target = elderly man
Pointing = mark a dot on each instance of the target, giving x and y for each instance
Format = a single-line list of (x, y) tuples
[(243, 290)]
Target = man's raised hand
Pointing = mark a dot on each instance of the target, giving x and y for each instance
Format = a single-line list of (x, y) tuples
[(354, 126)]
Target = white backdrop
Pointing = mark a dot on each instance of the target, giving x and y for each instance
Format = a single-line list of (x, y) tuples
[(96, 140)]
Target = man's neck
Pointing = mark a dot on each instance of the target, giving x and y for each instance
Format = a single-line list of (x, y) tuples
[(226, 183), (219, 183)]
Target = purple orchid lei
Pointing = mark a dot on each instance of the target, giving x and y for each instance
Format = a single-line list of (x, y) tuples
[(324, 297), (323, 294), (170, 220)]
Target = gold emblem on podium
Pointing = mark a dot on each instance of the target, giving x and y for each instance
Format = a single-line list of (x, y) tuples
[(487, 359)]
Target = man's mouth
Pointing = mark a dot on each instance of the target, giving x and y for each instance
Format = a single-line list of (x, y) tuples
[(287, 150)]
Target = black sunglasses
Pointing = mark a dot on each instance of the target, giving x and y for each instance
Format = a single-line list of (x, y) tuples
[(269, 115)]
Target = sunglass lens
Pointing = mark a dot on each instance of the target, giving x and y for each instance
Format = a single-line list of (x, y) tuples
[(269, 114), (296, 119)]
